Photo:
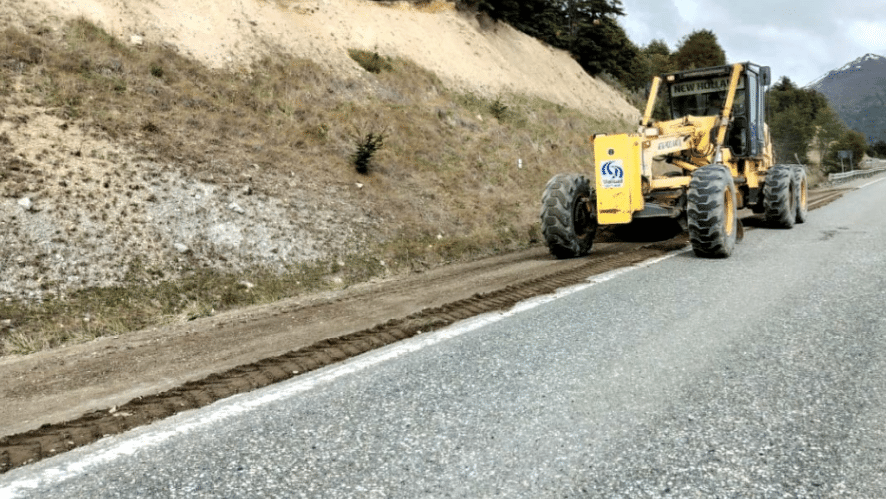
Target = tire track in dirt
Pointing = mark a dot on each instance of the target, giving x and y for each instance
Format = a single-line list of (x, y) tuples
[(48, 440), (823, 198)]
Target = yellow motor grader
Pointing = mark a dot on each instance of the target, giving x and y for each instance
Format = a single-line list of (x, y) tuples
[(710, 159)]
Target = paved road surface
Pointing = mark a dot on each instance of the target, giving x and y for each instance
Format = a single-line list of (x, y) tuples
[(757, 376)]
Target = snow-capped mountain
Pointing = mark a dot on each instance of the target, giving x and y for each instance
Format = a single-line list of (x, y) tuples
[(858, 65), (857, 91)]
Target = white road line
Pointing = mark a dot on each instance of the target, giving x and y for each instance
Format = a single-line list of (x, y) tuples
[(67, 466), (872, 182)]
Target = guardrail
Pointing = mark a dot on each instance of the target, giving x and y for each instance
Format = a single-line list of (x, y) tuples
[(843, 177)]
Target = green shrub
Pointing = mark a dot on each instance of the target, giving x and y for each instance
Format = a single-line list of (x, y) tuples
[(498, 109), (366, 148), (370, 61)]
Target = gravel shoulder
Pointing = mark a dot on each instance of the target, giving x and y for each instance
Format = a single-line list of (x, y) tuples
[(60, 384)]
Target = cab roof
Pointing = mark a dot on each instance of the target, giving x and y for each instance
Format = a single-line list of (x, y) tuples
[(715, 71)]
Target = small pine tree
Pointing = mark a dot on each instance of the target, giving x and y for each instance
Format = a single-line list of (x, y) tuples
[(366, 148)]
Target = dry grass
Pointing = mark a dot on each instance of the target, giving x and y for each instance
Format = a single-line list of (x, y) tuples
[(96, 312), (459, 176)]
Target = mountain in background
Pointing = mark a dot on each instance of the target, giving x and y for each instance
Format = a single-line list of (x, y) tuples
[(857, 91)]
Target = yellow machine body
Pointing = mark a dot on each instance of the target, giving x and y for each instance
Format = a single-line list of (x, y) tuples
[(625, 179), (701, 153)]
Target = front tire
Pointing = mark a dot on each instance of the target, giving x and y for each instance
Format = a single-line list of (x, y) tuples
[(780, 196), (568, 215), (711, 212)]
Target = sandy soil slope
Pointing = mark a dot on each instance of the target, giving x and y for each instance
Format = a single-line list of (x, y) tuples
[(489, 58), (55, 229)]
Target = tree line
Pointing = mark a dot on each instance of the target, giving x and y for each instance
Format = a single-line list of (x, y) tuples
[(800, 119), (590, 32)]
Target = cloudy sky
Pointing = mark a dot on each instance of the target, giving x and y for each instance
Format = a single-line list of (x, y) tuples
[(802, 40)]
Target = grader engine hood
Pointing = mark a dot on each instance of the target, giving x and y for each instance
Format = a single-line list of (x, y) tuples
[(621, 164), (617, 175)]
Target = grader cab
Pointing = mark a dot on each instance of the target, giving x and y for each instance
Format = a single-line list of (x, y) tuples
[(710, 157)]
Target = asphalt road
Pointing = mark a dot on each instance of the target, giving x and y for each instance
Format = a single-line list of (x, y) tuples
[(757, 376)]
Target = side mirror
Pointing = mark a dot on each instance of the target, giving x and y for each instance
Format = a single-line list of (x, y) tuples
[(765, 76)]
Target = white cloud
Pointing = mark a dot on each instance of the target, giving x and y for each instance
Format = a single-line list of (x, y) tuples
[(656, 21), (688, 9), (869, 33), (801, 40)]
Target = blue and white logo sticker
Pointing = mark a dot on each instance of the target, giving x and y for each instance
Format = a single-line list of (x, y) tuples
[(612, 174)]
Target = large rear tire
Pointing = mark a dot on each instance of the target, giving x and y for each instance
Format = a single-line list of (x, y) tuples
[(568, 215), (711, 212), (780, 196), (802, 194)]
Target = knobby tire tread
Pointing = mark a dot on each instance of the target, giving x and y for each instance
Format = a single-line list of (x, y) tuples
[(558, 225), (706, 212), (779, 196)]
